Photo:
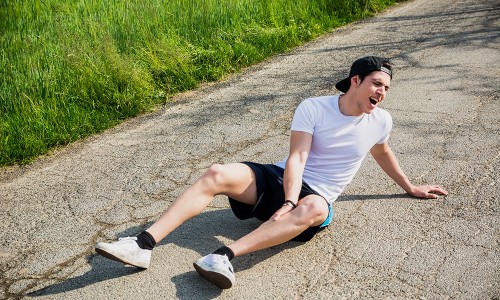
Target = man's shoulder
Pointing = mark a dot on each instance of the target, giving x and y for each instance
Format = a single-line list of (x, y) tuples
[(383, 117), (321, 101), (382, 113)]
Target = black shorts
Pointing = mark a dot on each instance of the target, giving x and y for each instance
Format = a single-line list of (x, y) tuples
[(271, 197)]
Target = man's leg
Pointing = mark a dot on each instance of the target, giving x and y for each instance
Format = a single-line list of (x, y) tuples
[(311, 211), (233, 180)]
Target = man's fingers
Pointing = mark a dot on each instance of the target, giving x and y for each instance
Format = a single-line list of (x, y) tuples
[(429, 191), (442, 191), (281, 212), (438, 190)]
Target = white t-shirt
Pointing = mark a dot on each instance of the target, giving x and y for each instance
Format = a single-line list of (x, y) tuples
[(339, 144)]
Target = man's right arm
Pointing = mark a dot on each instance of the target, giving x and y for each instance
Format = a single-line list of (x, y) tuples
[(300, 145)]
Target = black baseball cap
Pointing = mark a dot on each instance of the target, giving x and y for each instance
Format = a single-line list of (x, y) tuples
[(364, 66)]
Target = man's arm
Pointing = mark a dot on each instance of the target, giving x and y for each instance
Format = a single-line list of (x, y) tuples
[(386, 159), (300, 144)]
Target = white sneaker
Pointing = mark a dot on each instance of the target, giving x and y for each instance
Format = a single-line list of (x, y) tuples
[(125, 250), (217, 269)]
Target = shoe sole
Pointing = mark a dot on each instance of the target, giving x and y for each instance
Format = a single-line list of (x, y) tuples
[(218, 279), (116, 258)]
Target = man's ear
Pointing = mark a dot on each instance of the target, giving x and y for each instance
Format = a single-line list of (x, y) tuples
[(355, 80)]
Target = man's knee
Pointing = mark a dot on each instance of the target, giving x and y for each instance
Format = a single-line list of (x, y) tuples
[(313, 210), (214, 177)]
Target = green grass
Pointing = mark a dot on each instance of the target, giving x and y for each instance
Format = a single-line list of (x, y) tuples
[(69, 69)]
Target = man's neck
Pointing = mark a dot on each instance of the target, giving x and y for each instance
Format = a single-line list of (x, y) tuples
[(347, 106)]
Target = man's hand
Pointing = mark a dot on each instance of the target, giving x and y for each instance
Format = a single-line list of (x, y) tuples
[(283, 210), (386, 159), (427, 191)]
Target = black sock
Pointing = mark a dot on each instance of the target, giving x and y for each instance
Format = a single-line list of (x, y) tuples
[(225, 251), (146, 241)]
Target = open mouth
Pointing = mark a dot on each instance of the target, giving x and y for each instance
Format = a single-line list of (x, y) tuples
[(373, 101)]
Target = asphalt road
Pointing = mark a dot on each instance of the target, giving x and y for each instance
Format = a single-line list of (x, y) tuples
[(382, 244)]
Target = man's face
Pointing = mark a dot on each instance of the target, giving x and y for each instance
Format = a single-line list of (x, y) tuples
[(371, 91)]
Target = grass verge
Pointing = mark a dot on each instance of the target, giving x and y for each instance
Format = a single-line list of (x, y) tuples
[(72, 68)]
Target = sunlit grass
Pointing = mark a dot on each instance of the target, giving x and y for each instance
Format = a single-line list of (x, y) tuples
[(73, 68)]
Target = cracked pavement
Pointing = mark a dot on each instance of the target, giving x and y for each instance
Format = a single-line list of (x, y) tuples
[(382, 243)]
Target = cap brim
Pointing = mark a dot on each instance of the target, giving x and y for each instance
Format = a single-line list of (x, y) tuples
[(343, 85)]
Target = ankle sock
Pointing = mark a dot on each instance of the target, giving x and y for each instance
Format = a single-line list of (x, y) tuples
[(146, 241), (225, 251)]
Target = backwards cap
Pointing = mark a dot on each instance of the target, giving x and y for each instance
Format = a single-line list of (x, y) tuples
[(363, 66)]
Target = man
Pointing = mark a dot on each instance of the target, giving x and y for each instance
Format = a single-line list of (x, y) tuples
[(330, 137)]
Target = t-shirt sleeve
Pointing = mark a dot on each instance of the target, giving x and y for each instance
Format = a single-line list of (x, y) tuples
[(305, 117), (387, 129)]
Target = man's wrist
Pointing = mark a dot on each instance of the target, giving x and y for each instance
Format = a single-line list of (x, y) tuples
[(410, 189), (290, 203)]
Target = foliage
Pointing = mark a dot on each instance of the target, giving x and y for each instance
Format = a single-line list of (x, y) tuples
[(71, 68)]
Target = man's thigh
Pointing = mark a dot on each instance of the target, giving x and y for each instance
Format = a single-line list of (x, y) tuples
[(240, 183)]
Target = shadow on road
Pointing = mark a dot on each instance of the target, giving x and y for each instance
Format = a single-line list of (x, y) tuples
[(199, 234), (375, 197), (102, 269)]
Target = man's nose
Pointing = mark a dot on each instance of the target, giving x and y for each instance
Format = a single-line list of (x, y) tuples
[(381, 92)]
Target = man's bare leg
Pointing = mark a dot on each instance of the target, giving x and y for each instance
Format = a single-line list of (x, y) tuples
[(311, 211), (234, 180)]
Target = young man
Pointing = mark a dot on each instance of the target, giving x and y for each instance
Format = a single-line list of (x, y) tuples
[(330, 137)]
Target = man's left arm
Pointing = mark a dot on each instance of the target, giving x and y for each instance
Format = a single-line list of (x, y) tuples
[(386, 159)]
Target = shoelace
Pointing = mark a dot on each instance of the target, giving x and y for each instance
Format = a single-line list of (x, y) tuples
[(220, 260), (229, 267), (127, 239)]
